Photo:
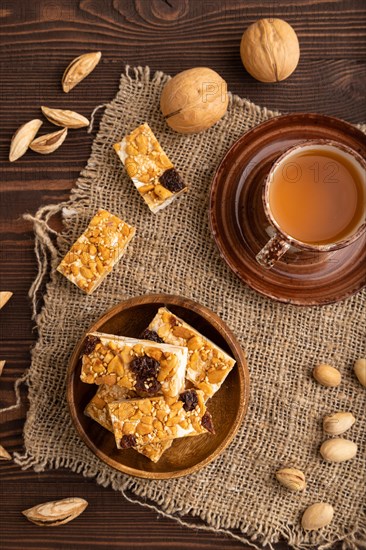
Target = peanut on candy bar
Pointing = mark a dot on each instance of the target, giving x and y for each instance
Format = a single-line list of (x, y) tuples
[(208, 365), (96, 251), (154, 420), (151, 171), (148, 368), (97, 409)]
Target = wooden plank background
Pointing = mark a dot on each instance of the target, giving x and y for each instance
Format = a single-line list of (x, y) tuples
[(38, 39)]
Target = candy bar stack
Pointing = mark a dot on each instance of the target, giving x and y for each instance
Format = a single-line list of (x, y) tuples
[(153, 389)]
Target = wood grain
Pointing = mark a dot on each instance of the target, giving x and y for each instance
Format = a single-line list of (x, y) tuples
[(38, 39)]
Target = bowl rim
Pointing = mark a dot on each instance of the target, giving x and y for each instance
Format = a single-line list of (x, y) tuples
[(235, 350)]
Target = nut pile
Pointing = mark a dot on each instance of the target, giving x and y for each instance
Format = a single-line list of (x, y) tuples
[(24, 137), (337, 449)]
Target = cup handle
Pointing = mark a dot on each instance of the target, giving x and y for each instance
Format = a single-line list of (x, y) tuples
[(272, 251)]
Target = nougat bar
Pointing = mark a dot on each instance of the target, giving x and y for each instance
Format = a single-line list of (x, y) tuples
[(96, 251), (157, 419), (97, 409), (208, 365), (148, 368), (151, 171)]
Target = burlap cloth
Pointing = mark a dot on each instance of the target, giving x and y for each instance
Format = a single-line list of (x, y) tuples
[(173, 252)]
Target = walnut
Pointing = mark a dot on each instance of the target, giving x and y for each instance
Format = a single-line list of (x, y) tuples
[(270, 50), (194, 100)]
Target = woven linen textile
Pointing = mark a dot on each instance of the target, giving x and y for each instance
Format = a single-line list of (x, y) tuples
[(173, 252)]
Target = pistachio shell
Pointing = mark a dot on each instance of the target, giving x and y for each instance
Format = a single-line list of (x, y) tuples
[(292, 478), (2, 365), (326, 375), (57, 512), (338, 450), (316, 516), (22, 138), (338, 423), (360, 370)]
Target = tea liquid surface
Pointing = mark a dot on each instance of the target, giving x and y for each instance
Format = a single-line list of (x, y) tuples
[(317, 196)]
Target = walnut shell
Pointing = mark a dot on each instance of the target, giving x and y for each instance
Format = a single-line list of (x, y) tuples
[(270, 50), (194, 100)]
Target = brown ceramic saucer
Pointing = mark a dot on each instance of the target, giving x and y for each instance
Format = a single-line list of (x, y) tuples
[(228, 406), (240, 228)]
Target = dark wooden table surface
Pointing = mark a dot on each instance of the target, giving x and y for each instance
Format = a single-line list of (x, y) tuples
[(38, 39)]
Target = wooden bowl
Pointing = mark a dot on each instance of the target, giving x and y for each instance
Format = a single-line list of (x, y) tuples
[(228, 406)]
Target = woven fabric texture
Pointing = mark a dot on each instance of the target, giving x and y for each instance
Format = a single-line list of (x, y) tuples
[(173, 252)]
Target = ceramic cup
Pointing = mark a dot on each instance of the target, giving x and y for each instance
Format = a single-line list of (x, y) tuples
[(281, 241)]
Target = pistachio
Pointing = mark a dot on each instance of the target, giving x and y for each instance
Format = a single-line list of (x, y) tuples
[(49, 142), (5, 297), (56, 512), (316, 516), (327, 375), (67, 119), (338, 423), (338, 450), (360, 370), (4, 455), (79, 69), (292, 478), (22, 138), (2, 365)]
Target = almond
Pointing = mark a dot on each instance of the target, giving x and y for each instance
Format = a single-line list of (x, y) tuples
[(4, 455), (78, 69), (49, 142), (57, 512), (5, 297), (67, 119), (22, 138)]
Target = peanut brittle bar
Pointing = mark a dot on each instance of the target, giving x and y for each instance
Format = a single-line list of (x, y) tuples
[(151, 171), (97, 409), (96, 251), (208, 365), (148, 368), (154, 420)]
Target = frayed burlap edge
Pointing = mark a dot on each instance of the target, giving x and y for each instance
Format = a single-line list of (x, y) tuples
[(46, 255)]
